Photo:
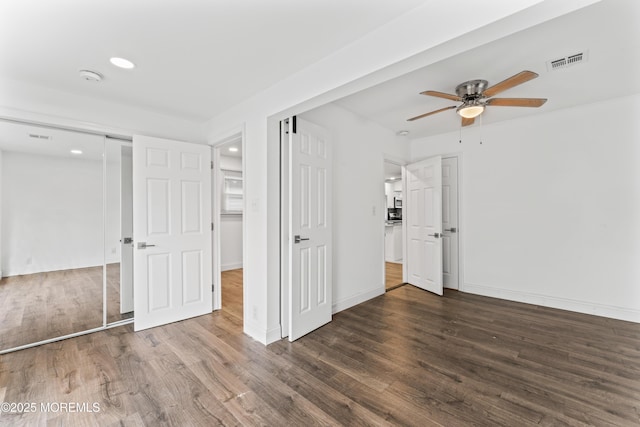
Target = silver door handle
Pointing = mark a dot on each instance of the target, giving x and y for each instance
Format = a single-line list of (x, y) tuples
[(298, 239), (452, 229), (143, 245), (436, 235)]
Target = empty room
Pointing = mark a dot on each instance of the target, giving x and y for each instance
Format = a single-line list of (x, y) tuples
[(319, 213)]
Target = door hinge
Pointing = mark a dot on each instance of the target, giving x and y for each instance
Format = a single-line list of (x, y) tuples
[(213, 288), (294, 125), (211, 164), (211, 226)]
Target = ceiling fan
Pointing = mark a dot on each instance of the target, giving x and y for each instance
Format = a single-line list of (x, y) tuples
[(475, 96)]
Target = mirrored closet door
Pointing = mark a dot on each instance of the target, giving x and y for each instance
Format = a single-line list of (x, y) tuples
[(62, 216)]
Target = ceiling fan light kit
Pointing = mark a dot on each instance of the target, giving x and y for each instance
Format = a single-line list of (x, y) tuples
[(470, 111), (475, 94)]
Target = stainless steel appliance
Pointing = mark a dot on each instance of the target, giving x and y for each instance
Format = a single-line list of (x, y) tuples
[(394, 214)]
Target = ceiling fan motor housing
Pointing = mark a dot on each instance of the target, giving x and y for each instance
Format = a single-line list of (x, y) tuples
[(472, 89)]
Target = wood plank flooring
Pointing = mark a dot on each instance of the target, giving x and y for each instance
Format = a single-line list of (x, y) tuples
[(404, 358), (393, 275), (41, 306)]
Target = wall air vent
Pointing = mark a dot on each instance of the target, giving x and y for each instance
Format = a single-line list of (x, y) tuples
[(567, 61), (36, 136)]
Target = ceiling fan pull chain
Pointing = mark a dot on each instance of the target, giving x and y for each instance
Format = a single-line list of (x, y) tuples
[(481, 126)]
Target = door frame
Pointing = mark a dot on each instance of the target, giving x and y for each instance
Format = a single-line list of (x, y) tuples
[(284, 227), (461, 224), (216, 194)]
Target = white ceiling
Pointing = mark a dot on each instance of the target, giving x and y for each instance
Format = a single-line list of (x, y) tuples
[(194, 58), (609, 30), (234, 141), (392, 171)]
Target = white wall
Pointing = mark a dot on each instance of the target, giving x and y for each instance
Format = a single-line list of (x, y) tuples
[(45, 105), (52, 215), (231, 163), (551, 207), (359, 150), (230, 225), (230, 242)]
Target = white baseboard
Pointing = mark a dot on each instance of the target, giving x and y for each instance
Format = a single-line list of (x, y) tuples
[(273, 334), (225, 267), (356, 299), (603, 310), (255, 331)]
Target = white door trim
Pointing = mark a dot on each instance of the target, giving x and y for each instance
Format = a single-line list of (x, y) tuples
[(284, 229)]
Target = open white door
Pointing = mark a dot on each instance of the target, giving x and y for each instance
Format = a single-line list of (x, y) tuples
[(423, 217), (309, 228), (172, 230)]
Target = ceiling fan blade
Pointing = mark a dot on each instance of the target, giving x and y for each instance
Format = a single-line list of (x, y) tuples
[(518, 79), (430, 113), (441, 95), (516, 102), (467, 122)]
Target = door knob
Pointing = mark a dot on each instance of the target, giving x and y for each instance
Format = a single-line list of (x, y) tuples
[(143, 245), (298, 239), (436, 235), (452, 229)]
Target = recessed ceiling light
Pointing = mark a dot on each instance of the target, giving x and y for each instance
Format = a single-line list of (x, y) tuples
[(403, 133), (76, 151), (122, 63), (233, 149)]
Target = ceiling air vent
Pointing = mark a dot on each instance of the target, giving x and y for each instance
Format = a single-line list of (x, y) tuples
[(36, 136), (567, 61)]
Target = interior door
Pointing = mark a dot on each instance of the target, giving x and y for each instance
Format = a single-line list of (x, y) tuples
[(450, 225), (310, 300), (172, 231), (423, 216)]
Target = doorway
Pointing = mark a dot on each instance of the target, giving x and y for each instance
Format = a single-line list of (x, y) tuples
[(393, 234), (228, 224)]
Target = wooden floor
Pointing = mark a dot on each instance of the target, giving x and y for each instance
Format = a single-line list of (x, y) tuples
[(40, 306), (404, 358), (393, 275)]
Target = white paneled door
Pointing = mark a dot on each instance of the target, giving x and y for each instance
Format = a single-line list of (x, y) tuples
[(172, 230), (310, 229), (423, 217)]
